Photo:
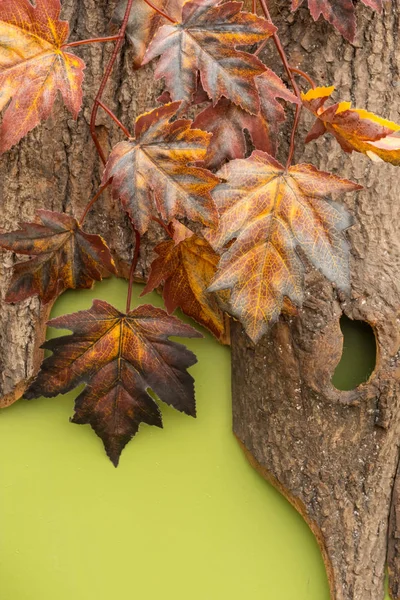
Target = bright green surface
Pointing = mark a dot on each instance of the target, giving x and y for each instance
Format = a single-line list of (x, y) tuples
[(184, 517), (359, 355)]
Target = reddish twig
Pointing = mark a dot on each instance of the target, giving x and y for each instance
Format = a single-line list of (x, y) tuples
[(254, 7), (289, 72), (114, 118), (106, 76), (111, 38), (160, 12), (163, 225), (305, 76), (93, 201), (133, 268)]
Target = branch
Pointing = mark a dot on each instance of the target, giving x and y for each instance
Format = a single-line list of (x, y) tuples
[(106, 76), (289, 72)]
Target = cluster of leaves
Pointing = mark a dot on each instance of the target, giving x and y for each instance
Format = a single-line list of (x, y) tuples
[(235, 222)]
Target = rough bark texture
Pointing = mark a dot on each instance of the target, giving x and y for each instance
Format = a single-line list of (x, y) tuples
[(56, 167), (334, 454)]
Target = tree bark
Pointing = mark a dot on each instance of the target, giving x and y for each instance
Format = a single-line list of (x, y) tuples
[(335, 454)]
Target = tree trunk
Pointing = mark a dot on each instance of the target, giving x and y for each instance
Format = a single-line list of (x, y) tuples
[(334, 454), (56, 167)]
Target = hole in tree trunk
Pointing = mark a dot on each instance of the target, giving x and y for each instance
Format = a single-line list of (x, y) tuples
[(359, 355)]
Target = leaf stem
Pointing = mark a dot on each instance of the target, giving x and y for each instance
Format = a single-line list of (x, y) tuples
[(111, 38), (304, 76), (93, 201), (289, 72), (106, 76), (160, 12), (114, 118), (163, 225), (133, 268)]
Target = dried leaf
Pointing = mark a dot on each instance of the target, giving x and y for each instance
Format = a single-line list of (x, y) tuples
[(227, 122), (339, 13), (355, 129), (151, 174), (144, 22), (270, 212), (65, 257), (205, 42), (187, 267), (34, 67), (119, 357)]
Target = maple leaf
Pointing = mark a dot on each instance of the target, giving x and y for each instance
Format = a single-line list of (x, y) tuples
[(151, 174), (144, 22), (186, 265), (65, 257), (270, 212), (205, 42), (339, 13), (354, 128), (34, 66), (227, 122), (119, 357)]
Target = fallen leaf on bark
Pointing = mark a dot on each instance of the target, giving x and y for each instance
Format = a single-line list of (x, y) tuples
[(152, 174), (269, 212), (355, 129), (205, 42), (34, 67), (119, 357), (65, 257)]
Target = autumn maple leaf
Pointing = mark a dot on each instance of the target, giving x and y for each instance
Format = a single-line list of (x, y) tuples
[(152, 175), (207, 38), (119, 357), (227, 122), (186, 265), (339, 13), (354, 128), (270, 212), (34, 66), (65, 257), (143, 23)]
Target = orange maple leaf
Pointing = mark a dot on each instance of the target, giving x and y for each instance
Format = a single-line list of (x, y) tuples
[(354, 128), (34, 66), (187, 265), (152, 174), (119, 357), (205, 42), (65, 257), (228, 122), (270, 212)]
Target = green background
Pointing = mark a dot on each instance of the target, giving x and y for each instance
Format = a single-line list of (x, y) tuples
[(184, 516)]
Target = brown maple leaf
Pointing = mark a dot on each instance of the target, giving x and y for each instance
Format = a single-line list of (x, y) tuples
[(205, 42), (270, 212), (186, 265), (227, 122), (34, 66), (152, 175), (119, 357), (144, 22), (355, 129), (339, 13), (65, 257)]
